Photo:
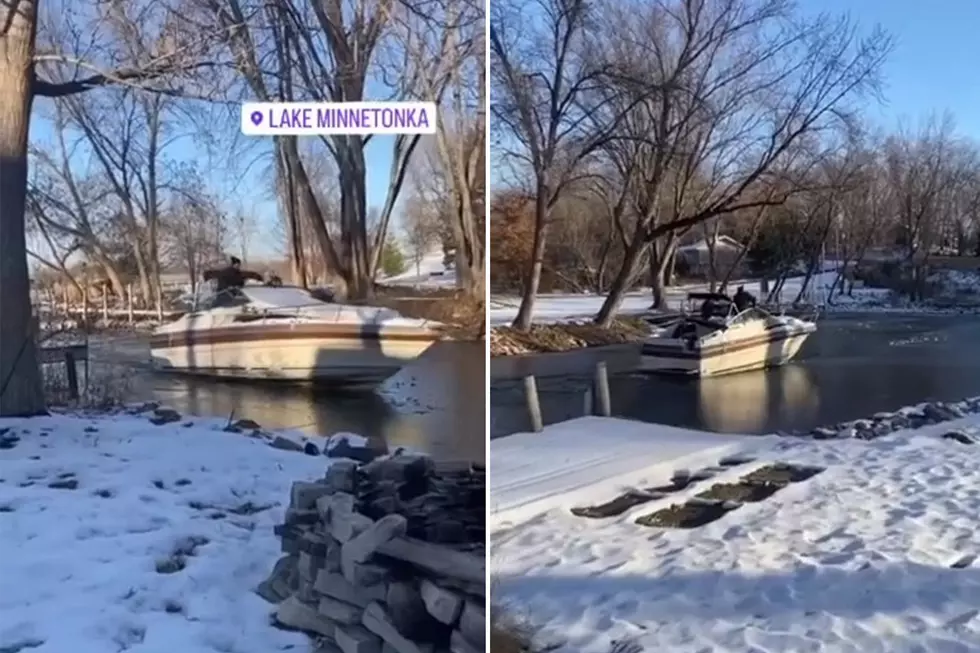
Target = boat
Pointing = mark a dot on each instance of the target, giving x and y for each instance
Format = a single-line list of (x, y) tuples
[(286, 333), (721, 339)]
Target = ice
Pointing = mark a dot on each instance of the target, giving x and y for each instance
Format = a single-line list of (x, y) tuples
[(876, 553), (80, 569)]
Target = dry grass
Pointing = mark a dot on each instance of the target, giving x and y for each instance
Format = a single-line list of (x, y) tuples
[(464, 316), (551, 338), (505, 639)]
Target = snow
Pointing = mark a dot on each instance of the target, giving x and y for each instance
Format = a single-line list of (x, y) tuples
[(535, 472), (431, 272), (562, 307), (877, 553), (78, 567)]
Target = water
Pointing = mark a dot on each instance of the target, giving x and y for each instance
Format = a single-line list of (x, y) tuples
[(436, 404), (852, 367)]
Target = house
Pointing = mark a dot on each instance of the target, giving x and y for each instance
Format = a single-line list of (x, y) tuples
[(693, 259)]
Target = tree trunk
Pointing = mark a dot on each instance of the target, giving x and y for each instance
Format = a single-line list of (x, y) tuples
[(525, 314), (21, 389), (624, 278), (660, 259)]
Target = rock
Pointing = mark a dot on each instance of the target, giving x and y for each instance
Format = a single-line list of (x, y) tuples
[(163, 416), (361, 574), (472, 625), (357, 639), (284, 443), (345, 524), (64, 484), (333, 584), (958, 436), (362, 546), (938, 413), (338, 611), (824, 433), (445, 605), (293, 613), (352, 447), (242, 425), (459, 644), (376, 619), (303, 495), (342, 476), (310, 449)]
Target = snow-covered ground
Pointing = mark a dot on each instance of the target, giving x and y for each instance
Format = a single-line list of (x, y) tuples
[(431, 272), (879, 552), (563, 307), (118, 535)]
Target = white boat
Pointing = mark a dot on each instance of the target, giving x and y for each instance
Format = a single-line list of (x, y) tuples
[(723, 340), (285, 333)]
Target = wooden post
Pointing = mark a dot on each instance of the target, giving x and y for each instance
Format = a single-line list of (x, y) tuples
[(533, 403), (72, 374), (105, 305), (602, 389), (85, 307), (129, 303)]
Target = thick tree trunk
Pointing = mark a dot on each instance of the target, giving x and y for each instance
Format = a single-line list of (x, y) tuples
[(21, 389), (525, 314), (624, 279)]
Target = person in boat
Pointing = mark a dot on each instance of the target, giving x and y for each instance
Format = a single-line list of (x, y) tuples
[(743, 299), (231, 276), (229, 281)]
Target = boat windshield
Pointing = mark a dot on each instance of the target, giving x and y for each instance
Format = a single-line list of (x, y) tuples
[(749, 314)]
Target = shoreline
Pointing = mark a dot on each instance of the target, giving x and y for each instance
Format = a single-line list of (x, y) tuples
[(577, 332)]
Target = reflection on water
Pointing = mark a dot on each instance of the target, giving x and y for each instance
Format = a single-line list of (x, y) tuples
[(436, 404), (732, 404), (852, 367)]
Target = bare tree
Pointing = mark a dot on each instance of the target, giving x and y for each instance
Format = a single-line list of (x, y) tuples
[(422, 228), (448, 50), (542, 64), (736, 85), (21, 85)]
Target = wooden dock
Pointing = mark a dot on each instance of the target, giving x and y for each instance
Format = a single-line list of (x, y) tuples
[(69, 356), (597, 362)]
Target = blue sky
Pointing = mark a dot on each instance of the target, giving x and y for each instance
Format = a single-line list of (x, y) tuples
[(251, 188), (936, 62)]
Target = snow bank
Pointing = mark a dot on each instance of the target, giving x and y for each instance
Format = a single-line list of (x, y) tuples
[(878, 552), (121, 535)]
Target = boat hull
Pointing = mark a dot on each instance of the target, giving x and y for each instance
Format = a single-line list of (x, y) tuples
[(729, 356), (346, 355)]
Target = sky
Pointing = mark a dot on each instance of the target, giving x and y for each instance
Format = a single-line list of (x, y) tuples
[(934, 67), (252, 190)]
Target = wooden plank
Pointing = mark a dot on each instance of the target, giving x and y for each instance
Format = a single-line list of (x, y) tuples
[(58, 354)]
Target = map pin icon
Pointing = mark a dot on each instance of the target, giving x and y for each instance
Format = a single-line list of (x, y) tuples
[(256, 118)]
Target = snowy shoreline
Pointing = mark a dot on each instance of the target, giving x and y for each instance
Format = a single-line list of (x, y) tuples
[(878, 551), (146, 531)]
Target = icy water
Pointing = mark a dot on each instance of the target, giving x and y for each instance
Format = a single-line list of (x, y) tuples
[(436, 404), (853, 367)]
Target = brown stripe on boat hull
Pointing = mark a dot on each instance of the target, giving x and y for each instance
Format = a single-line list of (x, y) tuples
[(721, 349), (223, 335)]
